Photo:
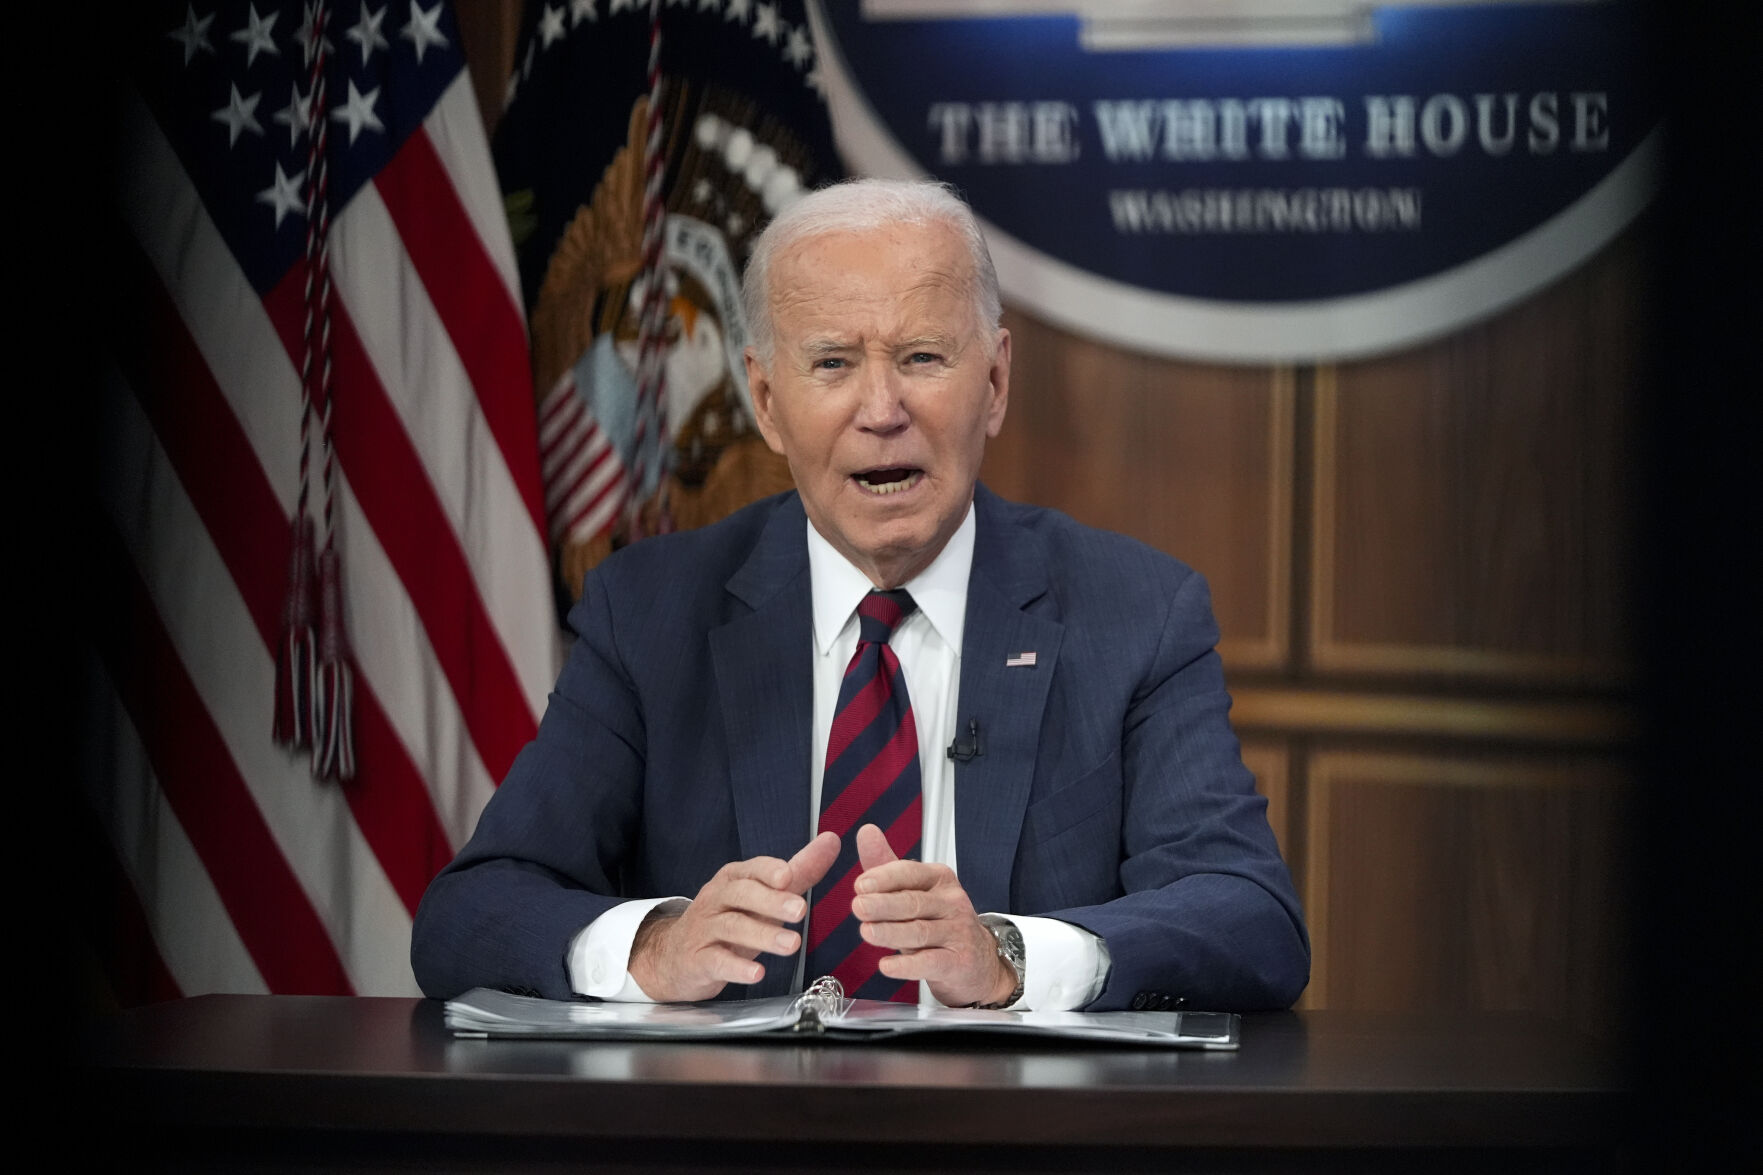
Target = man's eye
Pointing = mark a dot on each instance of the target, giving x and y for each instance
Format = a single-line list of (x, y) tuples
[(923, 357), (828, 364)]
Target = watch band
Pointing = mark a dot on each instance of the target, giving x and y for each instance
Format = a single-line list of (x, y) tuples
[(1010, 949)]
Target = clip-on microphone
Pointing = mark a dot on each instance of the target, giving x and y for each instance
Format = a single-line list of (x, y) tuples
[(967, 748)]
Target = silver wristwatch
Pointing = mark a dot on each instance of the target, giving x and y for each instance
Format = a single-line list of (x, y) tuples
[(1010, 949)]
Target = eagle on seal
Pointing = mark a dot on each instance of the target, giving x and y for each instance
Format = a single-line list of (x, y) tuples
[(728, 184)]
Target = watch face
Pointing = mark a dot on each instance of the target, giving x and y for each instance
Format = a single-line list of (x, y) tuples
[(1010, 944)]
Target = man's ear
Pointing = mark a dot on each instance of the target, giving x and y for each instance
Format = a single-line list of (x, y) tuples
[(759, 390), (1000, 378)]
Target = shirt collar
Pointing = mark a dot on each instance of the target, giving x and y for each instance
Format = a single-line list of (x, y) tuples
[(940, 590)]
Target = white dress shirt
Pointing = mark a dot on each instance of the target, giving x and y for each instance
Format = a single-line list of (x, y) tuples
[(1066, 964)]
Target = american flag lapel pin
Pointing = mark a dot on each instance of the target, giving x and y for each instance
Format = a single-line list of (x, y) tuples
[(1019, 660)]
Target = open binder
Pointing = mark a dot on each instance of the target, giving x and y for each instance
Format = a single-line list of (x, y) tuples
[(821, 1011)]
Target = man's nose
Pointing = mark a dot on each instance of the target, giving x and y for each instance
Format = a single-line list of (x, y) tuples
[(882, 406)]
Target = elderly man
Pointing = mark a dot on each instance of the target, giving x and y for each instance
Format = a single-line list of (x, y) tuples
[(888, 727)]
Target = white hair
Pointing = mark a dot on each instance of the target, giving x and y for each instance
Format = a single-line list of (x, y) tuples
[(859, 206)]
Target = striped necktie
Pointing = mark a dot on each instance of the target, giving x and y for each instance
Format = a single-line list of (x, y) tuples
[(872, 777)]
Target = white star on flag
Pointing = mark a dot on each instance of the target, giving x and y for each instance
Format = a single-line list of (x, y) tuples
[(423, 29), (366, 33), (580, 10), (551, 28), (765, 24), (797, 50), (239, 114), (283, 194), (194, 35), (255, 36), (357, 112)]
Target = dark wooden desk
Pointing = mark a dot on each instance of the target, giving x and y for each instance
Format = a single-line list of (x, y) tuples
[(264, 1082)]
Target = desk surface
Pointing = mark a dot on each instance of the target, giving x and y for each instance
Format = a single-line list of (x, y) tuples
[(324, 1075)]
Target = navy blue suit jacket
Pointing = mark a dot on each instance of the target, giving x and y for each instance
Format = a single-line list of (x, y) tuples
[(1111, 792)]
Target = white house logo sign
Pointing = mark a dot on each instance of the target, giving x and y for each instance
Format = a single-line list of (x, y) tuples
[(1283, 182)]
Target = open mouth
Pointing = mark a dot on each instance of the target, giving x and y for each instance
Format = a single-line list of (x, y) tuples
[(893, 480)]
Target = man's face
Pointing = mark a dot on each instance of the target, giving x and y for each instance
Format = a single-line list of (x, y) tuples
[(881, 391)]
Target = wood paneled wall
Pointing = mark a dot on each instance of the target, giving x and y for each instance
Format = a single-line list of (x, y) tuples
[(1186, 458), (1422, 568)]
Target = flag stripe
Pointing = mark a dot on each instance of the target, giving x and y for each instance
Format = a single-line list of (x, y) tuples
[(237, 507), (562, 459), (563, 470), (288, 943), (585, 481), (559, 412), (597, 513), (412, 367), (191, 934), (398, 500), (400, 673), (456, 132), (220, 310), (462, 283), (597, 466)]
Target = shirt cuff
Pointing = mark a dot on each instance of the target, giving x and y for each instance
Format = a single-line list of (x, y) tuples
[(1064, 968), (600, 954)]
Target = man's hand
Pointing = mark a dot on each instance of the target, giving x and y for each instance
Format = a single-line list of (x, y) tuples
[(921, 911), (739, 914)]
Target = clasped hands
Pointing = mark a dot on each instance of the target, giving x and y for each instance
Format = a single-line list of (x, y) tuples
[(914, 908)]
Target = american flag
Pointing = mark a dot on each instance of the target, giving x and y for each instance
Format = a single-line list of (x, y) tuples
[(240, 870)]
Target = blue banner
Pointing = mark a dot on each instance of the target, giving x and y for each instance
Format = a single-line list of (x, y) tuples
[(1262, 188)]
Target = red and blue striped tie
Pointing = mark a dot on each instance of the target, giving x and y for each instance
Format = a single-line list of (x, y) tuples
[(872, 777)]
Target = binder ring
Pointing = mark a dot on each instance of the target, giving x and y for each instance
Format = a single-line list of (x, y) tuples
[(826, 997)]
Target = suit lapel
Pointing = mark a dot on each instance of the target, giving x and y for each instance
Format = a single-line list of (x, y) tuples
[(991, 791), (764, 683)]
